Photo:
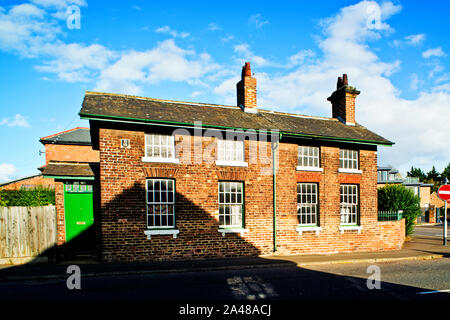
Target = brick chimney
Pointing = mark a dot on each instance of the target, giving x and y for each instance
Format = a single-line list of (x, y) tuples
[(246, 90), (343, 101)]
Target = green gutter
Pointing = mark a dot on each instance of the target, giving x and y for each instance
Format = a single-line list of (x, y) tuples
[(175, 123), (69, 177), (371, 142)]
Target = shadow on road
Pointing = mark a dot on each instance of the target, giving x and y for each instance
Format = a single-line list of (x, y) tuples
[(200, 268)]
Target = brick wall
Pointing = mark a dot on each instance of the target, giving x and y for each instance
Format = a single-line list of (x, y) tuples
[(30, 183), (425, 196), (62, 152), (60, 216), (123, 204)]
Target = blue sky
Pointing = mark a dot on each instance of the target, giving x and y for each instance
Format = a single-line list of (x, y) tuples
[(395, 53)]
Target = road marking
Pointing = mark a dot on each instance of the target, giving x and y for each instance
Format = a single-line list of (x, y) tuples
[(436, 291)]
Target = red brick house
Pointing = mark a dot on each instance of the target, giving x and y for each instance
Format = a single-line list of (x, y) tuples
[(72, 165), (181, 180), (71, 168)]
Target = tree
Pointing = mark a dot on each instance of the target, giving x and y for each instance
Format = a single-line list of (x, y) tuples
[(434, 175), (434, 178), (394, 197), (446, 174), (417, 172)]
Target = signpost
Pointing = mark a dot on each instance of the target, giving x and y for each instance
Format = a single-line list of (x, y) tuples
[(444, 194)]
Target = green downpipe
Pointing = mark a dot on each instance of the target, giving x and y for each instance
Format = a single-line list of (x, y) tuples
[(274, 177)]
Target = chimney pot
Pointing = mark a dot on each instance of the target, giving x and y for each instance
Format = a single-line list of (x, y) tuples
[(246, 70), (339, 83), (246, 90), (343, 101)]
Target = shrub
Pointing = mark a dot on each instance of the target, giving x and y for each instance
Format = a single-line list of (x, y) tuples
[(394, 197), (27, 197)]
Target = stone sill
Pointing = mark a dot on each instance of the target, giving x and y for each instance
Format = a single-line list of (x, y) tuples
[(152, 232), (223, 231), (161, 160), (315, 169), (231, 163), (301, 229), (349, 171), (350, 228)]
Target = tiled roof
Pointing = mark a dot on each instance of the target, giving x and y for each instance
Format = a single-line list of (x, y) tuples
[(70, 169), (75, 136), (118, 107)]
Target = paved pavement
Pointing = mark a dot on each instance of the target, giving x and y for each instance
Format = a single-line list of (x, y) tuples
[(418, 248), (431, 230)]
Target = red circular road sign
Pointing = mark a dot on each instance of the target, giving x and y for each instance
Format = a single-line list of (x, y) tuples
[(444, 192)]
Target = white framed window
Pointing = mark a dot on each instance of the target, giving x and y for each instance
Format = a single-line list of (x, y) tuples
[(349, 204), (308, 158), (307, 204), (231, 204), (348, 160), (160, 203), (159, 148), (230, 152)]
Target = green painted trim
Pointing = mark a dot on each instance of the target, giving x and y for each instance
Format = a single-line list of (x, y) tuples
[(370, 142), (175, 123), (69, 177)]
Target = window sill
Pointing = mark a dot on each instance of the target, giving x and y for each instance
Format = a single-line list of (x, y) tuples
[(349, 170), (231, 163), (223, 231), (300, 168), (161, 160), (153, 232), (350, 228), (301, 229)]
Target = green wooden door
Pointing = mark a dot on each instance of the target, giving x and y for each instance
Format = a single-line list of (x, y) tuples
[(79, 214)]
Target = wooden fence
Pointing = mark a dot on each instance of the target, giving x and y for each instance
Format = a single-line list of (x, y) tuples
[(26, 232)]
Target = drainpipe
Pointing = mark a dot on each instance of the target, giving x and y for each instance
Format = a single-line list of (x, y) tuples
[(275, 145)]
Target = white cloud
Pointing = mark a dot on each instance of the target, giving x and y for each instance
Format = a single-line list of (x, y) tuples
[(7, 172), (300, 58), (196, 94), (227, 38), (173, 33), (75, 62), (29, 31), (245, 54), (414, 81), (165, 62), (58, 4), (27, 9), (436, 52), (213, 26), (415, 39), (257, 20), (24, 30), (410, 123), (17, 121)]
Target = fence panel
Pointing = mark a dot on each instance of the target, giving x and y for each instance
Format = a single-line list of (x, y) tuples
[(26, 231), (390, 215)]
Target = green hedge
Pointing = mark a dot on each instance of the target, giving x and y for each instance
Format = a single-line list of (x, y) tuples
[(393, 197), (27, 197)]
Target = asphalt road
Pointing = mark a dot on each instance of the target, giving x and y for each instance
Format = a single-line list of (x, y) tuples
[(404, 280), (435, 231)]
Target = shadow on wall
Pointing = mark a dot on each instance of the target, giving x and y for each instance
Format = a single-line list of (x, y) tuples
[(123, 223), (124, 220)]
